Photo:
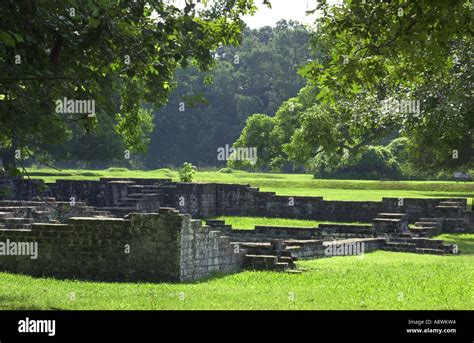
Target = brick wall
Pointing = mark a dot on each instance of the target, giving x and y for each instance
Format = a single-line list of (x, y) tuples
[(164, 246)]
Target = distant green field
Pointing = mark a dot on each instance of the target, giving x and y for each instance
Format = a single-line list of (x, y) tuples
[(288, 184), (374, 281)]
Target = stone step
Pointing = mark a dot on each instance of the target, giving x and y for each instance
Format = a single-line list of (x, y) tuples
[(142, 188), (387, 220), (6, 214), (260, 262), (400, 244), (120, 211), (256, 248), (449, 211), (128, 202), (281, 266), (150, 191), (391, 215), (439, 220), (451, 203), (9, 221), (425, 231), (135, 195), (427, 224), (290, 261)]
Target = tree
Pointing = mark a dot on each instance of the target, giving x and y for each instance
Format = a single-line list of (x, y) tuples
[(402, 50), (102, 51), (254, 77)]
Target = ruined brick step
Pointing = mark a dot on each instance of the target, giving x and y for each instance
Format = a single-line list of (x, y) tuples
[(400, 244), (6, 215), (419, 242), (281, 266), (143, 188), (120, 211), (451, 203), (289, 260), (391, 215), (290, 248), (387, 220), (13, 221), (141, 195), (427, 223), (453, 211), (437, 222), (256, 248), (16, 226), (342, 227), (17, 209), (302, 241), (260, 262), (128, 201), (425, 231)]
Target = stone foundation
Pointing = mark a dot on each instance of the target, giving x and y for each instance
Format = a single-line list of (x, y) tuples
[(128, 229), (164, 246)]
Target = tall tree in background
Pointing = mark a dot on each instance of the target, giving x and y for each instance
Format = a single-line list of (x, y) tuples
[(255, 77), (419, 50), (371, 52), (103, 51)]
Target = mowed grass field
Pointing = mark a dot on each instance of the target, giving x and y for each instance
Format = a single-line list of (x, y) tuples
[(379, 280)]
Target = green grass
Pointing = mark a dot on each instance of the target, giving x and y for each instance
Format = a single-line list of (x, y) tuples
[(375, 281), (288, 184), (251, 222)]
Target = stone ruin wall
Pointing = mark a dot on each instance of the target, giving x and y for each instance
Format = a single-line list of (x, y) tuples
[(164, 246), (204, 200), (110, 215)]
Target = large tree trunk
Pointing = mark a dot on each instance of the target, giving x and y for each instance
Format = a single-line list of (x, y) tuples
[(8, 159)]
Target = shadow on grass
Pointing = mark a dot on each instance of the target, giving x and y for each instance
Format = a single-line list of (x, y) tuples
[(449, 194), (465, 242), (211, 277), (17, 303)]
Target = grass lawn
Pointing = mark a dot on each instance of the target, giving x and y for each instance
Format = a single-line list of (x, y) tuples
[(251, 222), (379, 280)]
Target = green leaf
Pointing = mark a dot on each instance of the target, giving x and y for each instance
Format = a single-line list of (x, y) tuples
[(7, 39)]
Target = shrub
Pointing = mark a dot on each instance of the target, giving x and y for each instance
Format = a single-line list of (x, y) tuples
[(187, 172), (375, 162)]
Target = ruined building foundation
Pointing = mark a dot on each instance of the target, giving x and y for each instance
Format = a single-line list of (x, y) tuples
[(152, 229)]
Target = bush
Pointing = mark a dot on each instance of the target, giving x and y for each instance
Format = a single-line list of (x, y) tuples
[(187, 172), (373, 163)]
